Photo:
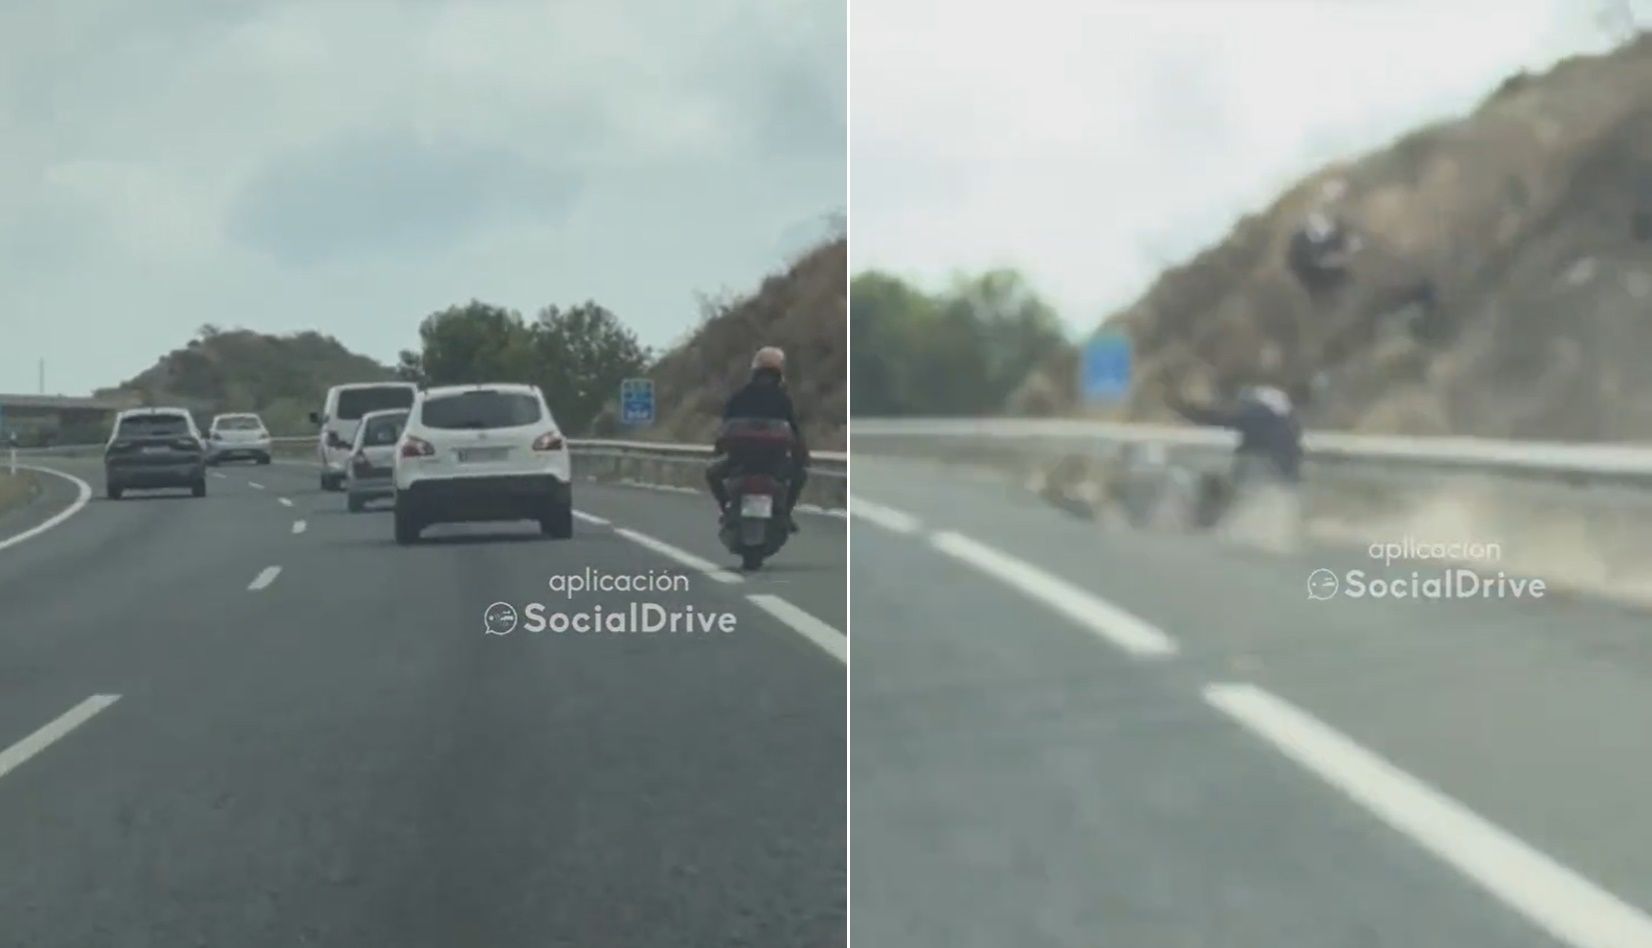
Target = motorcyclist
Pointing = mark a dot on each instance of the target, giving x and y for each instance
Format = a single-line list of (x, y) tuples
[(763, 397), (1270, 432)]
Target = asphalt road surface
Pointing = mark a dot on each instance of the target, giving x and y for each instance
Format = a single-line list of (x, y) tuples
[(1063, 736), (251, 719)]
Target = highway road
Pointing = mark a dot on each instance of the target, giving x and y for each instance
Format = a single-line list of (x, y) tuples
[(1063, 736), (252, 719)]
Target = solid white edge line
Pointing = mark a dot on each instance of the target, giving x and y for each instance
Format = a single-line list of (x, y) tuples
[(283, 501), (830, 640), (1128, 632), (886, 517), (264, 578), (1557, 899), (84, 495), (299, 525), (682, 556), (590, 518), (53, 731)]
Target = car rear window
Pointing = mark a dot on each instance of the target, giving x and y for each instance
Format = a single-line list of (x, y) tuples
[(355, 402), (243, 423), (382, 431), (151, 426), (484, 409)]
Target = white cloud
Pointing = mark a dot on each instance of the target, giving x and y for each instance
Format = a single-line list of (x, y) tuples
[(352, 166), (1089, 144)]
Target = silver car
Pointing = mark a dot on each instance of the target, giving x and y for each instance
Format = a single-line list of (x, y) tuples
[(238, 435), (367, 476)]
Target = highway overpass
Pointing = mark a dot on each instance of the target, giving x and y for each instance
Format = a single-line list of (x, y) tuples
[(47, 418)]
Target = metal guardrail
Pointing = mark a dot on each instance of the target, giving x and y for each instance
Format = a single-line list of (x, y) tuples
[(1572, 463), (825, 463)]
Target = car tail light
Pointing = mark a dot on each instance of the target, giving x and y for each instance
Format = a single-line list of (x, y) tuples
[(417, 448), (549, 441), (360, 461), (186, 443)]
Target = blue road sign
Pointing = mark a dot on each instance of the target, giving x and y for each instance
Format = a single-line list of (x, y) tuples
[(637, 401), (1106, 370)]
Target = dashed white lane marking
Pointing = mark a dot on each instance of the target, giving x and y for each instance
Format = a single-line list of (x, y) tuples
[(1132, 634), (264, 579), (669, 488), (84, 494), (833, 642), (590, 518), (682, 556), (820, 511), (218, 474), (283, 501), (53, 731), (1558, 900), (886, 517), (255, 485), (298, 526)]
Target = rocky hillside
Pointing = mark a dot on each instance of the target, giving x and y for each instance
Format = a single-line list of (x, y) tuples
[(1490, 275), (282, 377), (803, 310)]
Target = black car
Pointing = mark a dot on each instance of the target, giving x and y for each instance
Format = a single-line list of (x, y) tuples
[(155, 447)]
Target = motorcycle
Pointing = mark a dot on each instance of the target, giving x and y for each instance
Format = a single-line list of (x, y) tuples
[(752, 526)]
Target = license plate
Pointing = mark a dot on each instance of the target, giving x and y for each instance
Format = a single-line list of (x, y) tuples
[(757, 505), (471, 455), (154, 449)]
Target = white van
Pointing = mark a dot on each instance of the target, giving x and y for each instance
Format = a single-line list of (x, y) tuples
[(341, 414)]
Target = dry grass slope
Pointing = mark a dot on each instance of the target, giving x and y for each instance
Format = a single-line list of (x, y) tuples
[(1529, 221), (804, 311)]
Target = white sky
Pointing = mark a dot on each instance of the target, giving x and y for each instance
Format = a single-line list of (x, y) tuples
[(350, 166), (1090, 143)]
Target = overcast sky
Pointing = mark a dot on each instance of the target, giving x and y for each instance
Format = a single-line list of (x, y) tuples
[(1089, 143), (352, 166)]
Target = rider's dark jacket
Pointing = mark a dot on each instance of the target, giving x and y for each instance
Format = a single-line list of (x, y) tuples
[(765, 397), (1263, 432)]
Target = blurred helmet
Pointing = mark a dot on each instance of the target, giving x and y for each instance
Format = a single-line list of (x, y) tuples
[(771, 358), (1271, 398)]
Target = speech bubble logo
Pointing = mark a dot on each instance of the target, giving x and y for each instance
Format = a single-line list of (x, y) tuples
[(1322, 584), (499, 619)]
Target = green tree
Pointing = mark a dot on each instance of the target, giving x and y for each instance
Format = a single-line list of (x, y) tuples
[(961, 352), (410, 366), (886, 318), (476, 342), (583, 353)]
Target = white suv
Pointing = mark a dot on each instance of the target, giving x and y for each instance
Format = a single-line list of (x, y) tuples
[(482, 452)]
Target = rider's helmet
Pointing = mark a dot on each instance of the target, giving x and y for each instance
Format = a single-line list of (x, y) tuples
[(769, 359), (1269, 397)]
